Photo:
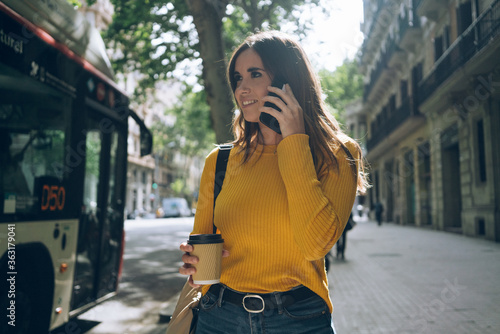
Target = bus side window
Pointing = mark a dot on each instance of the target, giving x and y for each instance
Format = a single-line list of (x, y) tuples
[(25, 157), (13, 180)]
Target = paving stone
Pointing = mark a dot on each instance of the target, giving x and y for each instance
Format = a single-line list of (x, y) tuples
[(402, 279)]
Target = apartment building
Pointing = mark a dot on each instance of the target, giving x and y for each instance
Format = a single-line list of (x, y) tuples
[(431, 109)]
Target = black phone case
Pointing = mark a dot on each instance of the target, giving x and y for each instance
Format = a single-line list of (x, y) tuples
[(266, 119)]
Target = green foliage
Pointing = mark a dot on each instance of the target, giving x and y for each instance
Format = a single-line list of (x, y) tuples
[(92, 153), (153, 37), (191, 134), (76, 3), (342, 86), (178, 187), (150, 38), (235, 30), (260, 15)]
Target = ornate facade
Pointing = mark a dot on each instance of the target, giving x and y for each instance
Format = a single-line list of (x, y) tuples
[(431, 106)]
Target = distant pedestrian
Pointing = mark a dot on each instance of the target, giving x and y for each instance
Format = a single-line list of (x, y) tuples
[(360, 210), (379, 209), (341, 243)]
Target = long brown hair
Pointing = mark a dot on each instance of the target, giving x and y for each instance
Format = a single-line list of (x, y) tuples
[(284, 57)]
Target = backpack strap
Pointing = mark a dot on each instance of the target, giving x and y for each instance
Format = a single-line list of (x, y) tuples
[(220, 172)]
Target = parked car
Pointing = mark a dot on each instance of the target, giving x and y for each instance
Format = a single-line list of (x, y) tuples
[(137, 213), (174, 207)]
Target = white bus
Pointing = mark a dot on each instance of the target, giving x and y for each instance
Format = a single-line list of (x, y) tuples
[(63, 159)]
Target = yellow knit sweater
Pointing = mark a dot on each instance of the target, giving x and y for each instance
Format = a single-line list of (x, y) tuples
[(277, 219)]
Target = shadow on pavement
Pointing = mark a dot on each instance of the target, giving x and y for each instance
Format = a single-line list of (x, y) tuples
[(76, 324)]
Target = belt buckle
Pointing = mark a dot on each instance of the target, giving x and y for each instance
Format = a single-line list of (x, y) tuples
[(254, 311)]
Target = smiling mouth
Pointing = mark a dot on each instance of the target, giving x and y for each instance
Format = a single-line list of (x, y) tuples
[(245, 103)]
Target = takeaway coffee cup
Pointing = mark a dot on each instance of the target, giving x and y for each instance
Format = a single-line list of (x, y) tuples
[(208, 249)]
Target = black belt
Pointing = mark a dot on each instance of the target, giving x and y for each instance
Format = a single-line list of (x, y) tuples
[(256, 303)]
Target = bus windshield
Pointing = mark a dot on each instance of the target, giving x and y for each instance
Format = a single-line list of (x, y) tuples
[(32, 140)]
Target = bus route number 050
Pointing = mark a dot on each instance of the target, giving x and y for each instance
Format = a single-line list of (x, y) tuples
[(53, 198)]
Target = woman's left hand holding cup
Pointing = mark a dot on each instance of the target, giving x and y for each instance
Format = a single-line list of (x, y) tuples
[(188, 268)]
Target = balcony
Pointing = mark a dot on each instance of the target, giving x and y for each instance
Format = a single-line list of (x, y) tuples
[(480, 33), (431, 9), (393, 56), (410, 31), (372, 38), (373, 23), (388, 129)]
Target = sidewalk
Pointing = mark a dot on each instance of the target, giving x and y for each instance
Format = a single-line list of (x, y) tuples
[(400, 279)]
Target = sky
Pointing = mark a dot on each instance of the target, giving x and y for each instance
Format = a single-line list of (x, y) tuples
[(336, 35)]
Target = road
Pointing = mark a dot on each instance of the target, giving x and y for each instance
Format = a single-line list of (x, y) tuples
[(394, 280), (150, 278)]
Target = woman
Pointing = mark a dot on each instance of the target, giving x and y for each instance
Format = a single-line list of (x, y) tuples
[(285, 200)]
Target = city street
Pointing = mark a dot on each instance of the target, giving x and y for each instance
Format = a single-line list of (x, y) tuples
[(109, 109), (394, 280), (150, 278)]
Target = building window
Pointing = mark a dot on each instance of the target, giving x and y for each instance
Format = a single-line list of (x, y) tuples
[(464, 17), (417, 74), (404, 90), (144, 178), (481, 154), (446, 38), (392, 104), (384, 116), (481, 226), (397, 178), (134, 200), (438, 47)]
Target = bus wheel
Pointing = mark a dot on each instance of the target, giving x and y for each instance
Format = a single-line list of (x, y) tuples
[(29, 312), (29, 318)]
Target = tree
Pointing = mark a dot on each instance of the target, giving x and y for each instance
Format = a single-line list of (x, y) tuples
[(188, 135), (191, 134), (342, 86), (155, 37), (207, 18)]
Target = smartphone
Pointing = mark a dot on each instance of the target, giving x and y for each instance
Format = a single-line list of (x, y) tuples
[(265, 118)]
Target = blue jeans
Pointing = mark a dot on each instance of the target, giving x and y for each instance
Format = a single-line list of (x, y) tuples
[(307, 316)]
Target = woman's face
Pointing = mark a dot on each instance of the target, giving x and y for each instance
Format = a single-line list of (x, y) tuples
[(252, 81)]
